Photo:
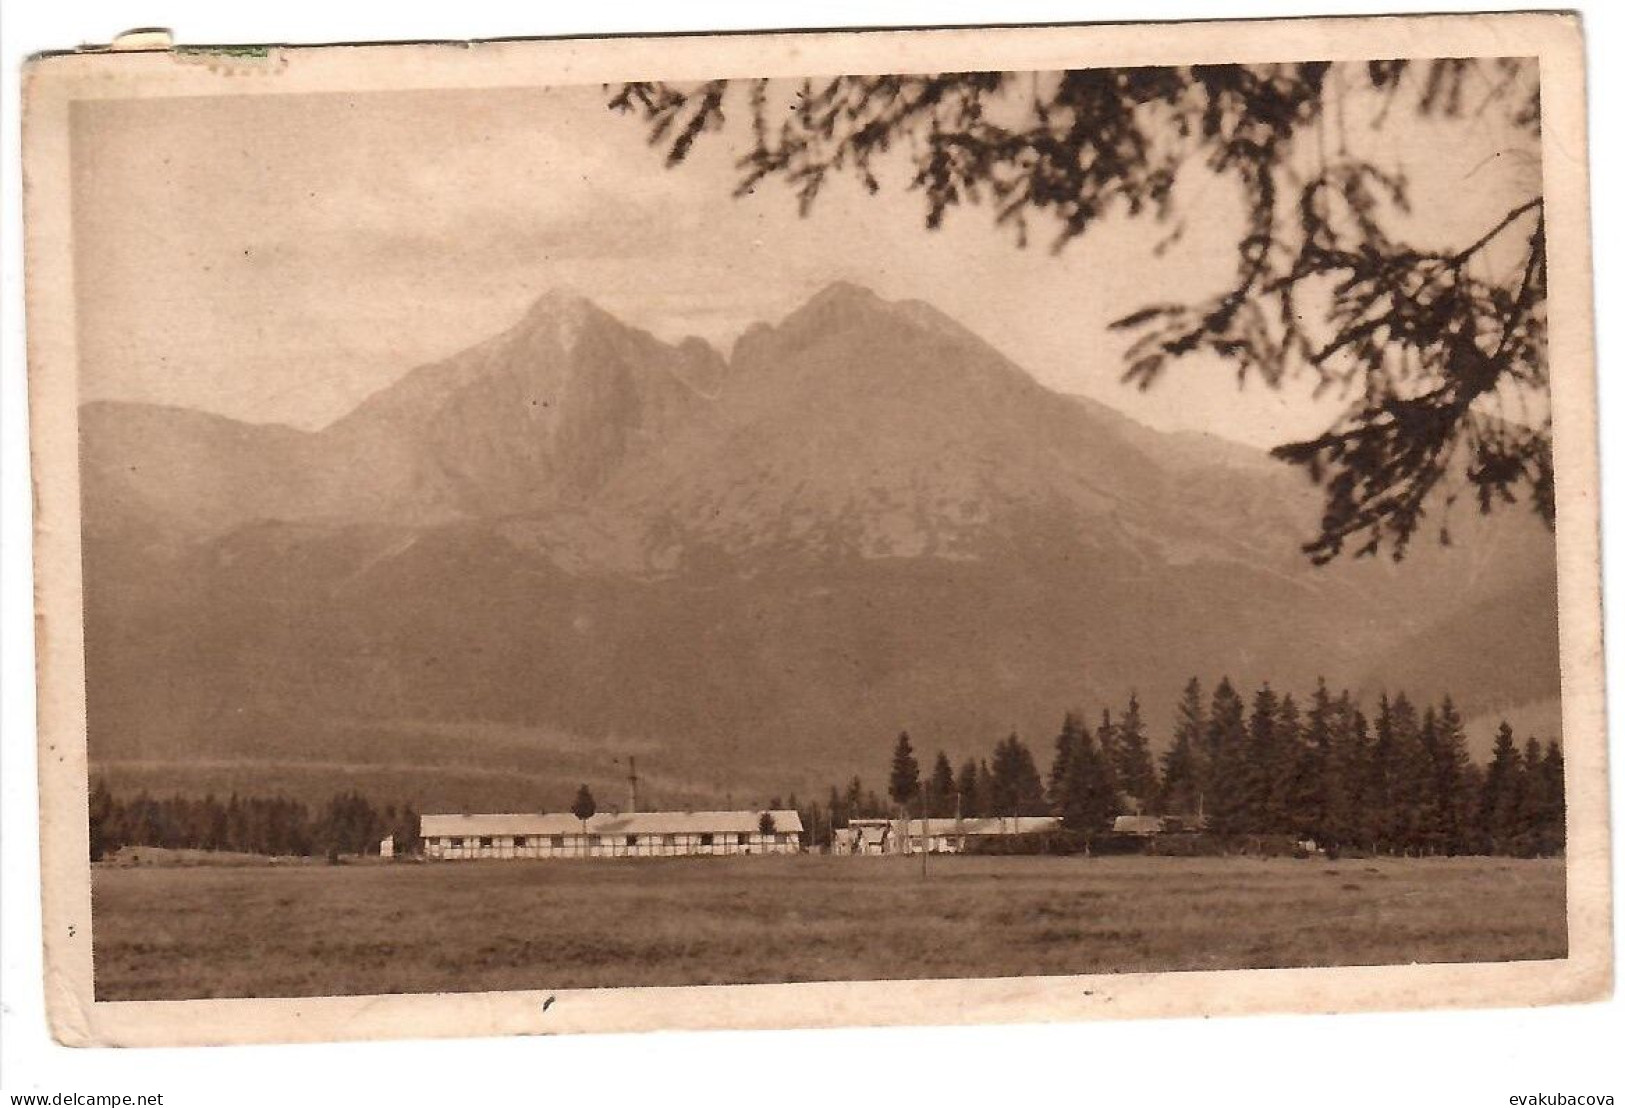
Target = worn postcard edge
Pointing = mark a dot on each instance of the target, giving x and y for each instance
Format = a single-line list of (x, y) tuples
[(52, 83)]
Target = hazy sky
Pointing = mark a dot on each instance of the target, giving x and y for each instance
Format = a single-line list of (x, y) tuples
[(278, 258)]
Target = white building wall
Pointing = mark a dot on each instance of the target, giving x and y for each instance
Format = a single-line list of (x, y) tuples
[(463, 848)]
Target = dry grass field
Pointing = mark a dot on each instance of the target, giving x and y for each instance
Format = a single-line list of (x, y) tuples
[(173, 933)]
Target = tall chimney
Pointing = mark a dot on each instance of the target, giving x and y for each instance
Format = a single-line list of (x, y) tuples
[(632, 777)]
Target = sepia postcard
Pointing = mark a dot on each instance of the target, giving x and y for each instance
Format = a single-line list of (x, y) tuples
[(815, 529)]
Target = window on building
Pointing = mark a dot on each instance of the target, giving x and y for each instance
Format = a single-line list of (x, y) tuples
[(558, 841), (671, 840), (458, 842), (595, 840), (521, 841), (705, 838), (487, 840), (631, 840)]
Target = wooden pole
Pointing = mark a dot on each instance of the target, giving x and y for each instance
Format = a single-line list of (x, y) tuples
[(959, 819), (925, 828)]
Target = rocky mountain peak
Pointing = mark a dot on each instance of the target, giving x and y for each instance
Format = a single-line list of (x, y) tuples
[(846, 293), (844, 308), (836, 304), (562, 313)]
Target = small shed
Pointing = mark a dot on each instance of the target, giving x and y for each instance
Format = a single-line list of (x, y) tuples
[(872, 839)]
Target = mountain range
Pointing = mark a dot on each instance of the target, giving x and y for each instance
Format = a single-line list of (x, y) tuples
[(575, 542)]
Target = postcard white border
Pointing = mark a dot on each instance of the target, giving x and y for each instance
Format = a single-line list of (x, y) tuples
[(52, 84)]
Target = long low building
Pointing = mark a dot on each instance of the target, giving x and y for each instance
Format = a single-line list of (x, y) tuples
[(607, 835), (938, 836)]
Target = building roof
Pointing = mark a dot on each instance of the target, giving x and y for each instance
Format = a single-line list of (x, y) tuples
[(989, 825), (608, 823), (1137, 825)]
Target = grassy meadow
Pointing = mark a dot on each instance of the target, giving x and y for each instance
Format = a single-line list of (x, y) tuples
[(263, 931)]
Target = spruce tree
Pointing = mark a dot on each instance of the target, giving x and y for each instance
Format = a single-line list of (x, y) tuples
[(116, 824), (854, 803), (1225, 753), (1028, 782), (584, 807), (143, 828), (944, 789), (1263, 810), (1530, 806), (1065, 743), (1136, 774), (1554, 815), (1182, 777), (837, 808), (236, 825), (1290, 786), (1498, 805), (1321, 783), (409, 839), (904, 783), (218, 826), (1431, 812), (1000, 792), (1474, 841), (1015, 787), (1452, 763), (1088, 799), (1106, 741), (1354, 819), (1409, 774), (1383, 818), (1176, 791), (970, 790), (101, 814), (814, 822)]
